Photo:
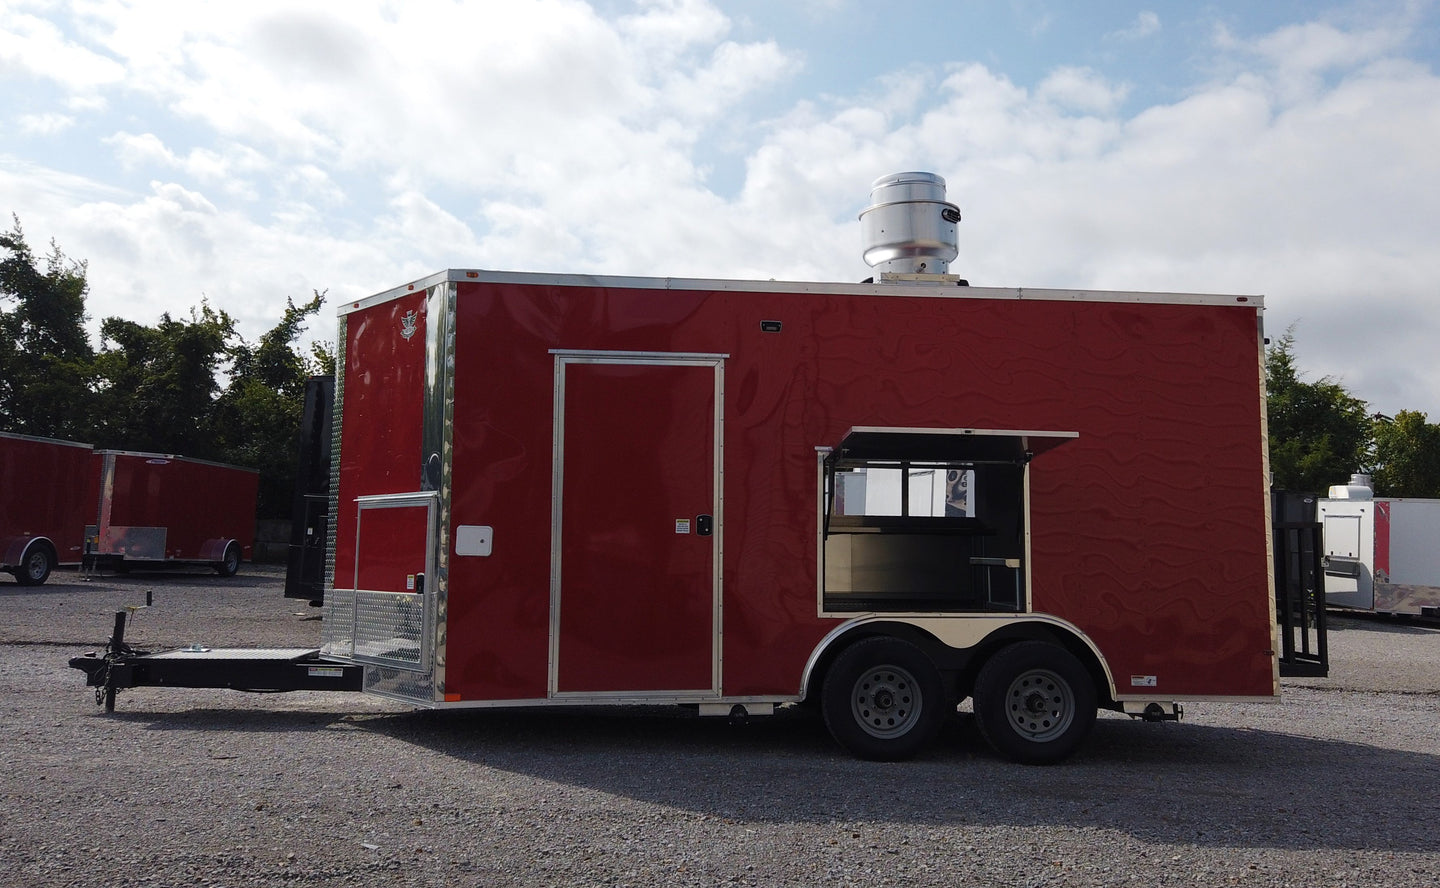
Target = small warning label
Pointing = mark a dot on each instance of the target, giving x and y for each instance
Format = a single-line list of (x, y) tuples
[(1142, 681), (682, 525)]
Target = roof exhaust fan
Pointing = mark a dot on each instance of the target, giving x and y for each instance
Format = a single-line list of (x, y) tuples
[(908, 230)]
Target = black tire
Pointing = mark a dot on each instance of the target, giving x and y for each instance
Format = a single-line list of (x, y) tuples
[(883, 699), (35, 567), (230, 565), (1034, 702)]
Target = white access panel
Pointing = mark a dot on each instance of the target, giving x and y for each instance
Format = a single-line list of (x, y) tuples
[(1349, 528)]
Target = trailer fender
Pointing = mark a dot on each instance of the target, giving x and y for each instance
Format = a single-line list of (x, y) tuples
[(30, 559), (214, 549), (224, 555), (960, 644), (12, 549)]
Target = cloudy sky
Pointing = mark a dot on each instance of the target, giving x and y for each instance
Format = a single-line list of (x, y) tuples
[(246, 152)]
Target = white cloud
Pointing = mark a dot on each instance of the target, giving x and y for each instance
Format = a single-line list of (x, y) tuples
[(313, 182), (668, 27), (734, 71), (1316, 47), (1146, 24), (227, 169), (35, 47), (1081, 89), (47, 124), (144, 149), (1297, 59)]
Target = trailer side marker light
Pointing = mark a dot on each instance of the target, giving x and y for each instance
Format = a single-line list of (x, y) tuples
[(770, 326), (472, 274), (452, 698), (1242, 298)]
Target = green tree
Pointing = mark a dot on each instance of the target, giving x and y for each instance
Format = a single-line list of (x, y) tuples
[(45, 355), (1407, 455), (157, 386), (258, 414), (1319, 432)]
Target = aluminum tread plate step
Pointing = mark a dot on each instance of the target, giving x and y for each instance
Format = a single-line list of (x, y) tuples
[(204, 653)]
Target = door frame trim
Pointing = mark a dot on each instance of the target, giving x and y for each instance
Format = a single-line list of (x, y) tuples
[(564, 358), (421, 499)]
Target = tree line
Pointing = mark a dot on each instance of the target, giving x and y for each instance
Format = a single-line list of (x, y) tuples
[(189, 386), (1320, 434), (192, 386)]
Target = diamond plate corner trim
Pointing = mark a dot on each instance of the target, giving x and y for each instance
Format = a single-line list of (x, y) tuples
[(338, 631)]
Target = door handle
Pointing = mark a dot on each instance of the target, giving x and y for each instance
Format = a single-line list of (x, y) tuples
[(704, 525)]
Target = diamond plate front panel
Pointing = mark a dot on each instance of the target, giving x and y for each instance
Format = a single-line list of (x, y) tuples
[(338, 633), (412, 687), (390, 629)]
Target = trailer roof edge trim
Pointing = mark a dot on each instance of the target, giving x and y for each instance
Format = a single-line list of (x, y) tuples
[(175, 457), (933, 291), (41, 440)]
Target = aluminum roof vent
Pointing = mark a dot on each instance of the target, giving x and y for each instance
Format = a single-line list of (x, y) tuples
[(909, 227), (1359, 488)]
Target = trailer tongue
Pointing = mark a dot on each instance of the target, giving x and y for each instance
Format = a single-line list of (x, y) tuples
[(259, 670)]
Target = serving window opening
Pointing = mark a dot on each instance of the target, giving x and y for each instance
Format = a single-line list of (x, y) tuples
[(927, 520)]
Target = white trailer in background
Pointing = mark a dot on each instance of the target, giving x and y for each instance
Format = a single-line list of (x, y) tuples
[(1382, 554)]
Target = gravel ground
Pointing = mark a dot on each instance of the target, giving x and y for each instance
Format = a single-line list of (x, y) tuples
[(1335, 785)]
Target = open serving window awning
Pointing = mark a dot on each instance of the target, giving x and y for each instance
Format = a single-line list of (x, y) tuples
[(871, 443)]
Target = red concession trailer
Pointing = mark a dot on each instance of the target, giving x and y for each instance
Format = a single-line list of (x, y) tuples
[(159, 509), (47, 490), (879, 499), (882, 497)]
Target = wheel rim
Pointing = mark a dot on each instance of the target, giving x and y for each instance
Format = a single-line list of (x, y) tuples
[(36, 565), (1040, 705), (886, 701)]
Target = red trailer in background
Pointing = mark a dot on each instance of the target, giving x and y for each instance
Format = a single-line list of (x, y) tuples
[(48, 491), (158, 509), (63, 503)]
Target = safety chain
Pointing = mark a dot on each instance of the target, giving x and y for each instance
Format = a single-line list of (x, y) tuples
[(113, 652)]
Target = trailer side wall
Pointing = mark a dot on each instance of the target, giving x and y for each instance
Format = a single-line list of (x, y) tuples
[(1149, 530), (191, 501)]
